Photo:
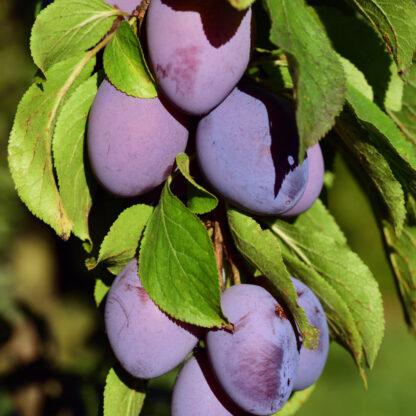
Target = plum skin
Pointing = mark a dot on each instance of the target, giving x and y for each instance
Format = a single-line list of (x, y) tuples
[(198, 50), (256, 364), (197, 392), (146, 341), (311, 362), (247, 150), (133, 142), (316, 170)]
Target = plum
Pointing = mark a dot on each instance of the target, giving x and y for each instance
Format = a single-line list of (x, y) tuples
[(133, 142), (146, 341), (247, 149), (198, 50), (315, 182), (197, 392), (311, 362), (255, 364)]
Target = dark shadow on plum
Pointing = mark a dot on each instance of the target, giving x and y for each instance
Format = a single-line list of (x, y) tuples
[(283, 131), (219, 19), (215, 387)]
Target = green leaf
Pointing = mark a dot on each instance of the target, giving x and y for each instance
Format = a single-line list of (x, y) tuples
[(241, 4), (125, 66), (340, 320), (100, 290), (318, 218), (200, 201), (177, 265), (344, 271), (406, 117), (342, 325), (69, 27), (120, 244), (382, 128), (262, 249), (395, 21), (356, 78), (296, 401), (402, 252), (123, 396), (394, 93), (29, 151), (346, 31), (375, 165), (69, 156), (316, 70)]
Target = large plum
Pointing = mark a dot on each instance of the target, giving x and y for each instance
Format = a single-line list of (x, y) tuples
[(256, 364), (198, 49), (315, 182), (311, 362), (247, 149), (146, 341), (197, 392), (133, 142)]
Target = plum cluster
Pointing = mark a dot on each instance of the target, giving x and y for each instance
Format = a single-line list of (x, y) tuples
[(249, 370), (247, 148), (246, 141)]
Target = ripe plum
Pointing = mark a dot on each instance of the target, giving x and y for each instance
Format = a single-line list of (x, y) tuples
[(315, 182), (198, 49), (256, 364), (247, 149), (311, 362), (197, 392), (133, 142), (146, 341)]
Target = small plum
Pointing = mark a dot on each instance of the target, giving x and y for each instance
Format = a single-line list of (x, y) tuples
[(255, 364), (146, 341), (247, 149), (133, 142), (198, 50), (311, 362), (197, 393)]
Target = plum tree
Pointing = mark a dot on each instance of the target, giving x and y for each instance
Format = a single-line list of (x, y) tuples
[(197, 392), (146, 341), (132, 142), (256, 364), (311, 362), (316, 170), (198, 49), (247, 149)]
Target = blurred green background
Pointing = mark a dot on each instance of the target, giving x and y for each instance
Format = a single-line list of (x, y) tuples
[(53, 352)]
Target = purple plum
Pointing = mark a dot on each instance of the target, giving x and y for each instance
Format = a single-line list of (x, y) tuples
[(197, 393), (133, 142), (247, 149), (255, 364), (146, 341), (311, 362), (198, 50)]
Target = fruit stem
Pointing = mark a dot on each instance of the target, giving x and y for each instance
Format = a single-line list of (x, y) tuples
[(219, 254), (140, 13)]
